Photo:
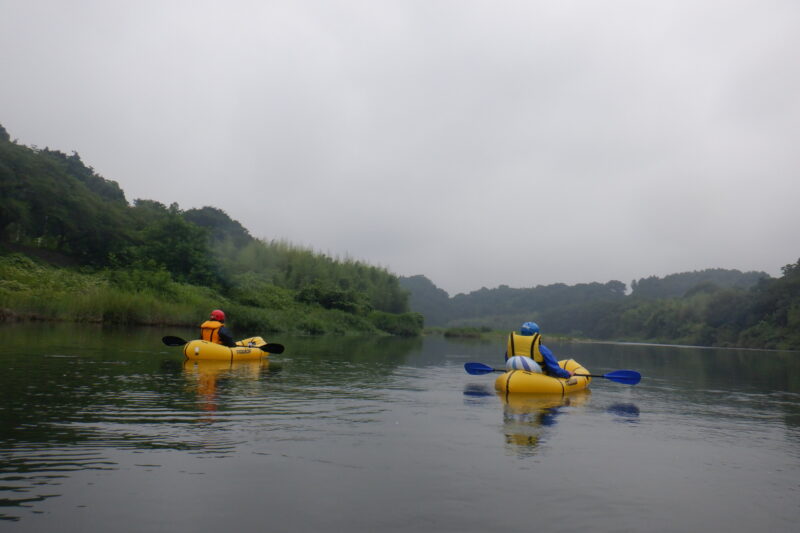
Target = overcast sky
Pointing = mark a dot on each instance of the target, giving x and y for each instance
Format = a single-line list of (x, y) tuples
[(476, 142)]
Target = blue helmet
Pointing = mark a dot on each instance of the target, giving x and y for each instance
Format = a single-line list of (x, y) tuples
[(529, 328)]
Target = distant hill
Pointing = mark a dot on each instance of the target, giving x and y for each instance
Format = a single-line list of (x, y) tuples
[(426, 298), (713, 307), (676, 285), (484, 306), (502, 302)]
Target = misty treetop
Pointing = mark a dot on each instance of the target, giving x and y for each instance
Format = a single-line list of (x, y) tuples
[(676, 285)]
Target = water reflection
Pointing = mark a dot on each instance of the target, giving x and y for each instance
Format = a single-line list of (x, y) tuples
[(528, 417), (625, 412), (30, 474), (759, 371), (205, 378), (115, 420), (393, 351), (478, 394), (72, 398), (477, 390)]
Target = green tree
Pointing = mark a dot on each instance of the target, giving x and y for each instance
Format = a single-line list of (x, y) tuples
[(181, 247), (219, 225)]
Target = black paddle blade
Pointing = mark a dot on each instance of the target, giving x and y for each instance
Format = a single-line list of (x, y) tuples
[(169, 340), (272, 347)]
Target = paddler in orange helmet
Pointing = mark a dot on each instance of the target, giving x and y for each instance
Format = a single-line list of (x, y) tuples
[(214, 330)]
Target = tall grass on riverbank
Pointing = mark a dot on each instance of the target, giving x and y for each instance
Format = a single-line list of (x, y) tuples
[(34, 291), (29, 290)]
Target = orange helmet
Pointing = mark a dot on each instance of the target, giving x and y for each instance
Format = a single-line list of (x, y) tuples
[(218, 315)]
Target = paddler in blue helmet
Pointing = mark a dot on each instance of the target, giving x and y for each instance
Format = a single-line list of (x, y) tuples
[(528, 342)]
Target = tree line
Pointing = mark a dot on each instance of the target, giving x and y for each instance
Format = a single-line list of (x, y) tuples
[(713, 307), (54, 205)]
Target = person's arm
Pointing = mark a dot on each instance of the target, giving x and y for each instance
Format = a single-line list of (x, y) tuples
[(551, 363), (225, 337)]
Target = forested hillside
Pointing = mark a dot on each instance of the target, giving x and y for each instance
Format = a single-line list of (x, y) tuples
[(496, 307), (56, 210), (714, 307), (676, 285)]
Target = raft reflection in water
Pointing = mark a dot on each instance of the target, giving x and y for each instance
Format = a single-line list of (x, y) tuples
[(206, 377), (526, 417)]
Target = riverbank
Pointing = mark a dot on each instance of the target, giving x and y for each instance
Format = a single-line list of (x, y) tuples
[(487, 334), (35, 291)]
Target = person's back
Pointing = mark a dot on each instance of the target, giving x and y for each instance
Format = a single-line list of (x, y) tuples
[(528, 343), (214, 330)]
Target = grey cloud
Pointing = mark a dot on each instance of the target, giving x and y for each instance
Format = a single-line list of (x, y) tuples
[(478, 143)]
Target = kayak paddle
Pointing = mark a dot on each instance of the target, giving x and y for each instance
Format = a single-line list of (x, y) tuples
[(271, 347), (169, 340), (627, 377)]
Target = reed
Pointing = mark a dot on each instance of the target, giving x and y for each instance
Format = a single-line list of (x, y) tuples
[(33, 291)]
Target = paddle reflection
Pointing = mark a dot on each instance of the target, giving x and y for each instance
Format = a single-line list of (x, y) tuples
[(527, 417), (625, 412), (475, 394)]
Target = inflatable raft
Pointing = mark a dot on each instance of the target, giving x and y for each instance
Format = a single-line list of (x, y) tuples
[(245, 349), (521, 381)]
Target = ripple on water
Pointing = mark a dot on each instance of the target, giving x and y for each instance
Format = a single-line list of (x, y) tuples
[(31, 474)]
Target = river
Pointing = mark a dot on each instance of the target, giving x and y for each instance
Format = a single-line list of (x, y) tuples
[(109, 430)]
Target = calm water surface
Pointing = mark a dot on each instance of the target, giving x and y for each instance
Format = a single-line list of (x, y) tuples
[(109, 430)]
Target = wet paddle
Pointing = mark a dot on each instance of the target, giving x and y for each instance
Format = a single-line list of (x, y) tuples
[(271, 347), (627, 377)]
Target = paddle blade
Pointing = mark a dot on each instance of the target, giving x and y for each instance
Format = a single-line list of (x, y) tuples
[(272, 347), (477, 369), (627, 377), (169, 340)]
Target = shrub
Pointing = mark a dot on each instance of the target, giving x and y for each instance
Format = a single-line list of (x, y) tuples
[(405, 325)]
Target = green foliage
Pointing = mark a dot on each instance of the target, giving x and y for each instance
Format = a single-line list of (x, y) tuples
[(713, 308), (467, 332), (250, 289), (516, 305), (142, 277), (763, 316), (181, 247), (677, 285), (406, 324), (32, 290), (331, 297), (220, 226), (73, 166), (35, 290), (773, 316), (332, 283), (51, 200)]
